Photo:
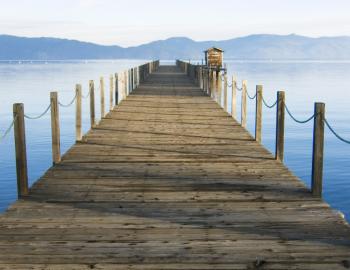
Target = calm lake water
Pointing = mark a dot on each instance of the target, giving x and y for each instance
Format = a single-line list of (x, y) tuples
[(304, 83)]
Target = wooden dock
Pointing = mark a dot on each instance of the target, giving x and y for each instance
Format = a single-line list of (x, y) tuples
[(168, 180)]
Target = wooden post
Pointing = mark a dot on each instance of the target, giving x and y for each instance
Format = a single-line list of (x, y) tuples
[(102, 96), (55, 128), (212, 83), (258, 113), (244, 104), (317, 150), (218, 88), (130, 82), (234, 98), (132, 79), (137, 76), (125, 84), (21, 150), (111, 83), (225, 92), (78, 119), (209, 82), (205, 81), (116, 88), (92, 103), (138, 70), (280, 125)]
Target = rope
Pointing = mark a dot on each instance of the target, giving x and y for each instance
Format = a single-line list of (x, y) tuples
[(267, 105), (253, 97), (239, 89), (39, 116), (88, 94), (296, 120), (7, 131), (70, 103), (335, 133)]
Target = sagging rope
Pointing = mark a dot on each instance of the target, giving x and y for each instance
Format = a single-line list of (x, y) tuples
[(335, 133), (39, 116), (7, 131), (267, 105), (295, 119), (239, 89), (88, 94), (250, 97), (292, 116), (69, 104)]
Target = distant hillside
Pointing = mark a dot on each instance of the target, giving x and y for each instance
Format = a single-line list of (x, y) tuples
[(249, 47)]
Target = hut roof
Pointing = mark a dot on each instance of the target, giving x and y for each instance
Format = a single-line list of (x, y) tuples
[(214, 48)]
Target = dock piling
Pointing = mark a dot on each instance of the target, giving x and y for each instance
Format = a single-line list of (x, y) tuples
[(244, 104), (116, 89), (258, 113), (20, 149), (279, 154), (55, 128), (78, 117), (234, 98), (102, 97), (317, 150), (225, 92), (111, 83), (92, 103)]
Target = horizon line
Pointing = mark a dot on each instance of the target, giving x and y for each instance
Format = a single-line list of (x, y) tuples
[(172, 37)]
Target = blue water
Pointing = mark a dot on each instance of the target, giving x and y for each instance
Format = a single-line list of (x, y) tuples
[(304, 83)]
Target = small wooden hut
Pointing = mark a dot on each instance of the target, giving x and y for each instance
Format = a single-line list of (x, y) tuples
[(214, 57)]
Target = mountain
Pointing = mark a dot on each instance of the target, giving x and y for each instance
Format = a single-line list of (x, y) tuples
[(249, 47)]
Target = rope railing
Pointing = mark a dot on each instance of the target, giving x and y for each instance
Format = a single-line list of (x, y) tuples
[(267, 105), (297, 120), (335, 133), (207, 83), (70, 103), (40, 115), (7, 131), (133, 77), (249, 96), (85, 96)]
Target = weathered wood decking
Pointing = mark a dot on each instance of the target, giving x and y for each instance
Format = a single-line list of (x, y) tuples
[(168, 180)]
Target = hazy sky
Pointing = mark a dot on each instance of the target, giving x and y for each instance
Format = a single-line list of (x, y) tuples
[(133, 22)]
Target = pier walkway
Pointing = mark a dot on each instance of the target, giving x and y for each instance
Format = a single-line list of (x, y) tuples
[(168, 180)]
